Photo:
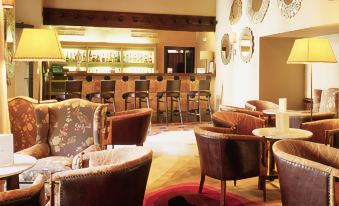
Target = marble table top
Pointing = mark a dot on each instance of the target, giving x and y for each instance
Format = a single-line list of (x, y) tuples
[(21, 164), (272, 133)]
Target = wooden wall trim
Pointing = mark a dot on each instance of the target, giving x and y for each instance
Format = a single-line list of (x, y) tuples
[(71, 17)]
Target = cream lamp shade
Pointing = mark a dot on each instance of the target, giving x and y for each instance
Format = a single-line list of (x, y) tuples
[(39, 45), (206, 55), (311, 50)]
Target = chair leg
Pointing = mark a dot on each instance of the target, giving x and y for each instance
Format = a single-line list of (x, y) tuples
[(188, 108), (209, 106), (166, 109), (202, 181), (126, 104), (113, 105), (262, 182), (180, 113), (158, 109), (147, 102), (235, 183), (171, 118), (199, 109), (223, 193)]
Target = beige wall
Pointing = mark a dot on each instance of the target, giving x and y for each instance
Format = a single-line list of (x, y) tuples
[(29, 12), (278, 79), (239, 80), (325, 75), (187, 7)]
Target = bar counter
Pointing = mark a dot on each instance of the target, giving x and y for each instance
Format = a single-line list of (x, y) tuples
[(91, 83)]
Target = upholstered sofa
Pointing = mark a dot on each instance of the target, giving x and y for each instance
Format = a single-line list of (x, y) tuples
[(307, 173), (109, 177), (64, 130), (22, 121)]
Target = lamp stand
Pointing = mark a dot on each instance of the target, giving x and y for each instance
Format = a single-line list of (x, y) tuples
[(311, 95), (206, 71), (39, 79)]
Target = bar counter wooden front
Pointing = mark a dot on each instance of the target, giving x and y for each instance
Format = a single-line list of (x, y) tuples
[(91, 83)]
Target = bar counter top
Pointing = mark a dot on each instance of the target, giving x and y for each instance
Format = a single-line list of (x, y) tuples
[(80, 73)]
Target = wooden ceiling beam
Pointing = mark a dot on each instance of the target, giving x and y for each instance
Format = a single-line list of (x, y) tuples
[(71, 17)]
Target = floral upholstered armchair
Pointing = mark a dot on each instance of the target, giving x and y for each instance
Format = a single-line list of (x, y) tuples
[(22, 120), (65, 129)]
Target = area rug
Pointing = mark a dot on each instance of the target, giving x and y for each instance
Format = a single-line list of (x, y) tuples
[(209, 197)]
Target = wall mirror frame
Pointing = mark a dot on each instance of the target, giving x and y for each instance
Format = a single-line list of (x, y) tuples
[(246, 44), (256, 10), (289, 8), (236, 12), (226, 49)]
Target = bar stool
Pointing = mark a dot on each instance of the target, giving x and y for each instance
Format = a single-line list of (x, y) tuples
[(107, 92), (141, 91), (73, 89), (172, 92), (202, 95)]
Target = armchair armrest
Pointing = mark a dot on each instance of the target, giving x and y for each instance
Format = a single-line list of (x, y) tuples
[(38, 151), (78, 160)]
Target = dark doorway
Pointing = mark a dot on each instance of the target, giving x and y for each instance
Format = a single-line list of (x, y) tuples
[(179, 59)]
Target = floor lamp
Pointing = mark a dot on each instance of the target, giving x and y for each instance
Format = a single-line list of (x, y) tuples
[(309, 51), (39, 45)]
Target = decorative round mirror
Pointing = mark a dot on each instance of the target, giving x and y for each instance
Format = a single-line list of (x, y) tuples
[(289, 8), (226, 49), (256, 10), (236, 12), (246, 44)]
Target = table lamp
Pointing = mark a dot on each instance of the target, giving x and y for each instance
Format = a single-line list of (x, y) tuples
[(39, 45), (206, 55), (309, 51)]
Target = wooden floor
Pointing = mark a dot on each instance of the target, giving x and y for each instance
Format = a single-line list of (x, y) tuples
[(176, 160)]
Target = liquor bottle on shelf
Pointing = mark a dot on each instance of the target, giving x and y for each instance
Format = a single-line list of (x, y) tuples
[(67, 57), (90, 56)]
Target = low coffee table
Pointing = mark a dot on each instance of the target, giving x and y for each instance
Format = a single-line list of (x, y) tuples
[(11, 173), (272, 135)]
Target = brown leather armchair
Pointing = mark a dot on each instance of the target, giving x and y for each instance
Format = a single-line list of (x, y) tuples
[(242, 123), (110, 177), (31, 196), (65, 129), (22, 120), (227, 156), (323, 131), (307, 173), (128, 127)]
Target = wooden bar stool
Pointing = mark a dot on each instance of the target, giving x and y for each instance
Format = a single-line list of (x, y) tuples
[(200, 96), (141, 92), (106, 94), (73, 89), (172, 92)]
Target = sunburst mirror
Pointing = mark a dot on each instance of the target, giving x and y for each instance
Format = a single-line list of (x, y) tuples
[(289, 8), (236, 12), (256, 10), (246, 44), (226, 49)]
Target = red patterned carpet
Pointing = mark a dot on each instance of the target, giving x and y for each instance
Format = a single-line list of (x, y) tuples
[(209, 197)]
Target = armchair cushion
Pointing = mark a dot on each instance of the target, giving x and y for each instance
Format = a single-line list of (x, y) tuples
[(38, 151), (46, 166)]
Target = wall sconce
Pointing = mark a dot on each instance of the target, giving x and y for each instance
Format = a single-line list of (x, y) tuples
[(8, 4)]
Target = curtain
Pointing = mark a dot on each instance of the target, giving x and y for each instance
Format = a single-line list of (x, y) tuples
[(4, 116)]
